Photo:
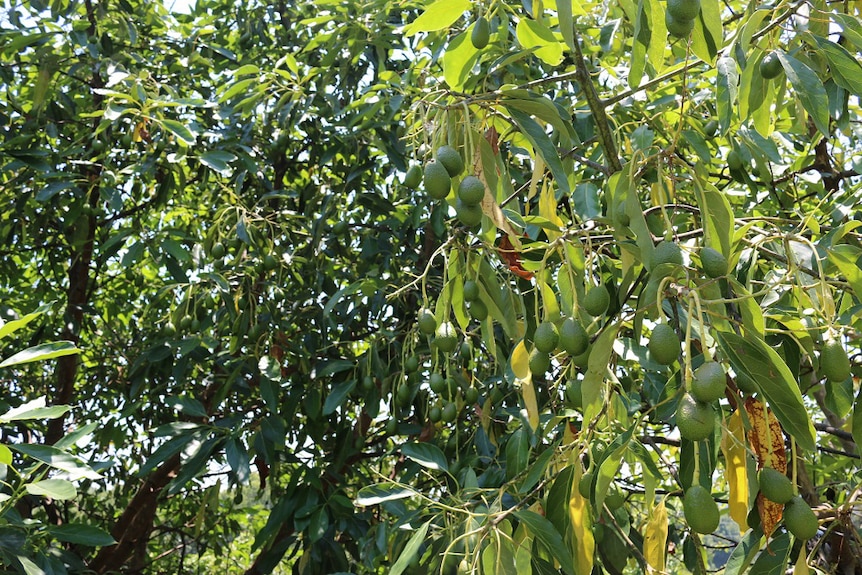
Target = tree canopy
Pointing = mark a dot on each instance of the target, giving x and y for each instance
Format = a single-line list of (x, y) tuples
[(430, 287)]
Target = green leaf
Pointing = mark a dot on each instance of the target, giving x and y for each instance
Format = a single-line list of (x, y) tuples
[(775, 561), (426, 455), (543, 146), (6, 453), (439, 15), (743, 554), (376, 494), (217, 160), (756, 359), (34, 409), (642, 41), (337, 396), (846, 70), (15, 325), (517, 452), (179, 130), (30, 568), (498, 558), (59, 489), (546, 533), (533, 35), (459, 59), (537, 470), (81, 534), (410, 550), (856, 428), (726, 90), (706, 38), (58, 459), (41, 352), (809, 89)]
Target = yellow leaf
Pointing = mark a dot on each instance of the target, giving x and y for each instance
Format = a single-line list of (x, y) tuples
[(655, 538), (582, 527), (801, 567), (528, 394), (733, 448), (520, 361), (548, 210)]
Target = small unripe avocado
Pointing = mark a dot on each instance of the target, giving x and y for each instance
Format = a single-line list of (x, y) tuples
[(426, 321), (471, 190), (708, 382), (713, 262), (451, 160), (694, 419), (701, 512), (775, 485), (573, 337), (437, 180), (546, 337), (678, 28), (447, 338), (800, 519), (481, 33), (683, 9), (666, 253), (770, 66), (413, 177), (596, 301), (539, 362), (834, 363), (664, 344)]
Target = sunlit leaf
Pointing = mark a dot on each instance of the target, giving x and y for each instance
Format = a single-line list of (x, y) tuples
[(41, 352)]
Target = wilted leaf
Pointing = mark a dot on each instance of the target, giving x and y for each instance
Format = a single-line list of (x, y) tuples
[(761, 436), (584, 545), (733, 448), (655, 538)]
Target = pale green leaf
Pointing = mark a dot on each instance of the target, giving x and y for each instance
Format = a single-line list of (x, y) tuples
[(35, 409), (58, 459), (533, 35), (59, 489), (439, 15), (410, 550), (15, 325), (376, 494), (217, 160), (179, 130), (41, 352), (459, 59)]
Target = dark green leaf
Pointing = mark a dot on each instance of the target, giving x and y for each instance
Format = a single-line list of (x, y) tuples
[(756, 359), (426, 455), (80, 534), (545, 532), (809, 89)]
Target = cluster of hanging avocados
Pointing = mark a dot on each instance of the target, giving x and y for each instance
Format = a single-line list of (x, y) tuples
[(680, 15), (696, 416)]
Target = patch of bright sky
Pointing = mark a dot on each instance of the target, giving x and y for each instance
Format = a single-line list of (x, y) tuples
[(179, 6)]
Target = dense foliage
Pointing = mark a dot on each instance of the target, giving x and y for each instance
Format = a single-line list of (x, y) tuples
[(431, 287)]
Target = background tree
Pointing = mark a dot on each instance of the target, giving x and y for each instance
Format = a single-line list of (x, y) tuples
[(427, 287)]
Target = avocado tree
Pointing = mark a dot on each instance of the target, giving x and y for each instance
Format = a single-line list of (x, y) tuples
[(436, 287)]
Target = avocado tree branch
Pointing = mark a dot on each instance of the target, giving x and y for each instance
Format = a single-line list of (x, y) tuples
[(606, 137)]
